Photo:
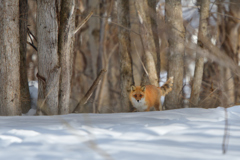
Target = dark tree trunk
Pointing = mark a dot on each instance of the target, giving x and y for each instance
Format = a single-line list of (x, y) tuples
[(125, 55), (23, 19)]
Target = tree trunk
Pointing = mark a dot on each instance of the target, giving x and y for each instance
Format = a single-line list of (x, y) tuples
[(174, 20), (9, 58), (230, 28), (93, 29), (198, 74), (125, 56), (23, 19), (65, 50), (103, 98), (48, 58), (153, 16), (235, 43), (150, 55)]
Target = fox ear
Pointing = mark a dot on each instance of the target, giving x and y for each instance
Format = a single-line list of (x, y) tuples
[(133, 88), (143, 88)]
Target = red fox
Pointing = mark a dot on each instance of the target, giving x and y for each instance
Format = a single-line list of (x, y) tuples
[(143, 98)]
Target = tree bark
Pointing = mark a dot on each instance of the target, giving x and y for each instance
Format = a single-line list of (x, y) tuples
[(104, 95), (235, 44), (153, 16), (230, 42), (94, 24), (23, 19), (174, 20), (150, 55), (9, 58), (48, 58), (65, 50), (125, 55), (198, 74)]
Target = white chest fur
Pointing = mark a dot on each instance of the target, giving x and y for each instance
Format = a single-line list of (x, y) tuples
[(139, 105)]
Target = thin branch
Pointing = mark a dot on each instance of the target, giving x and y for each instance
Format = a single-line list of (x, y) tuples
[(104, 79), (226, 15), (90, 91), (83, 22), (126, 28), (141, 60), (215, 54), (31, 44), (30, 34)]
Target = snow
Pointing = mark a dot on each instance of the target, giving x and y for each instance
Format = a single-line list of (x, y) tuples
[(33, 89), (185, 134)]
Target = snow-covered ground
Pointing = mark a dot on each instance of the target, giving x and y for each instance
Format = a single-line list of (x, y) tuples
[(185, 134)]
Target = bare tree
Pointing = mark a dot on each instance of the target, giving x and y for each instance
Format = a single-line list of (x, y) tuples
[(94, 24), (48, 59), (25, 95), (154, 18), (9, 58), (103, 94), (150, 55), (232, 45), (198, 74), (229, 42), (174, 20), (125, 57), (65, 50)]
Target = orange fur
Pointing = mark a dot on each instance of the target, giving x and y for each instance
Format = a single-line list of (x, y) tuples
[(144, 98)]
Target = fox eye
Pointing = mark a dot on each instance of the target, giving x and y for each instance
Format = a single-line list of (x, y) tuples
[(141, 95), (135, 96)]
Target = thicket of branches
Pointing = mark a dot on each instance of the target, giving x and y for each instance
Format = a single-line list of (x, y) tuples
[(88, 53)]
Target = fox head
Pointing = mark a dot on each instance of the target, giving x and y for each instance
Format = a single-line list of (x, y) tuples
[(137, 92)]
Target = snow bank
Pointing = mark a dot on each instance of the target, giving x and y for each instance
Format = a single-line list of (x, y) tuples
[(183, 134)]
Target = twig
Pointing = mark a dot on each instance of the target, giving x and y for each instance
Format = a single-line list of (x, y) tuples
[(41, 78), (141, 39), (83, 22), (90, 91), (226, 15), (215, 54), (126, 28), (141, 60), (31, 44), (30, 34), (99, 96)]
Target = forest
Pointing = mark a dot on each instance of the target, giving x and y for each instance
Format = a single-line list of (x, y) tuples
[(78, 77), (86, 54)]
